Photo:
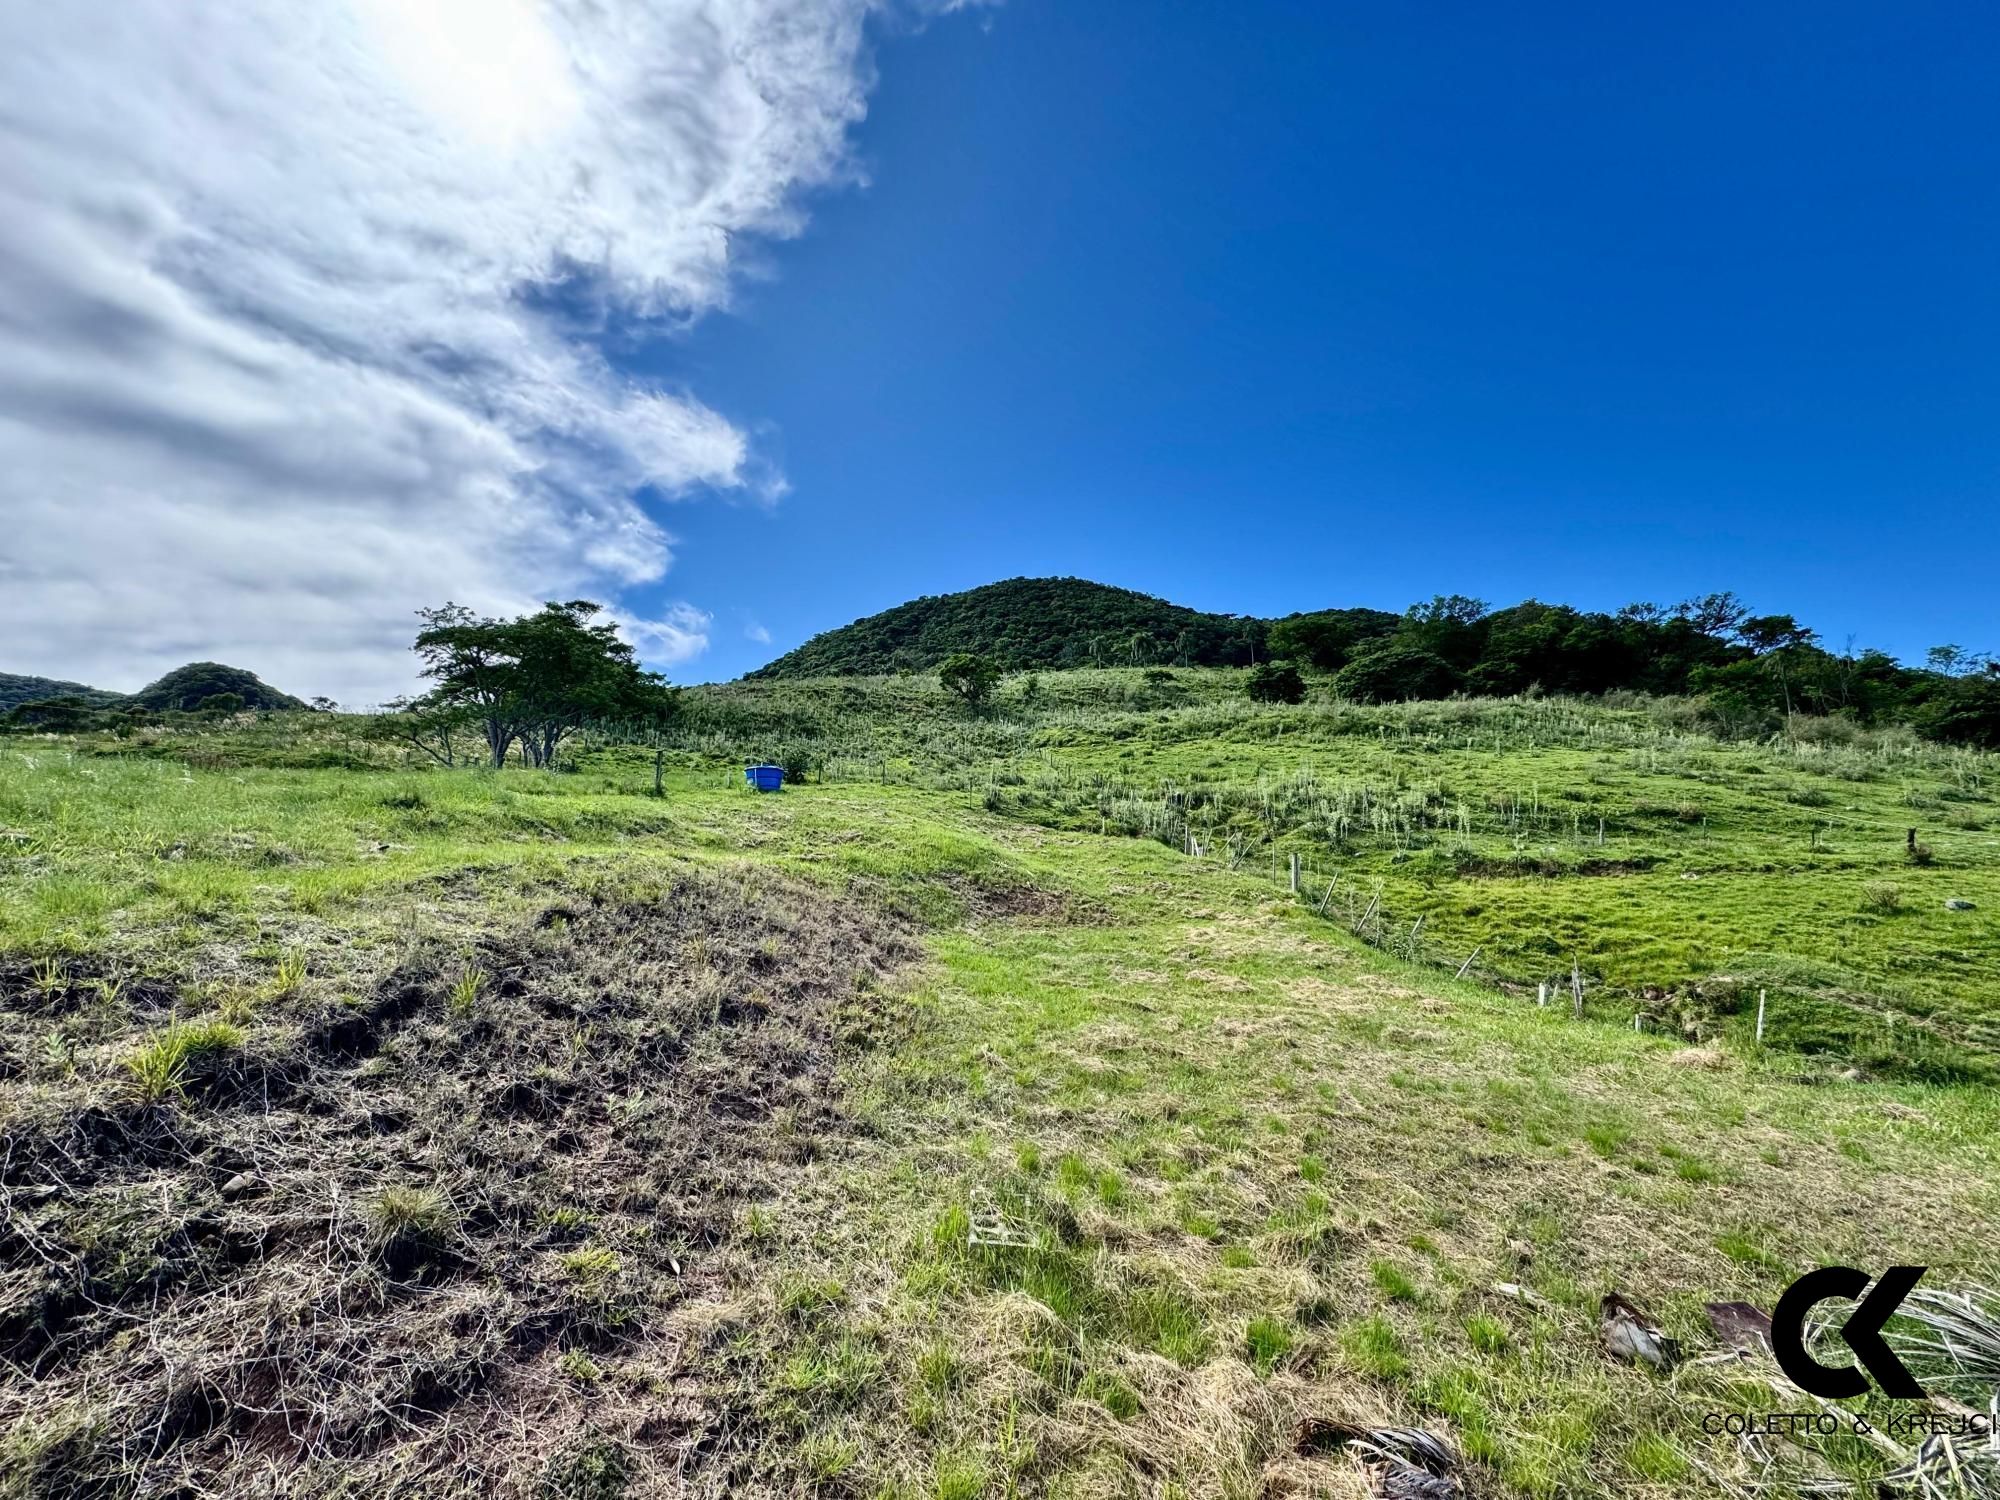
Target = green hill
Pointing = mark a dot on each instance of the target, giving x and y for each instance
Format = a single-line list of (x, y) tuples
[(183, 690), (192, 686), (1024, 624), (1758, 672), (16, 688)]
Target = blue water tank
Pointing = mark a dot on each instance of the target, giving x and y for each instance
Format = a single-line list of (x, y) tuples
[(765, 778)]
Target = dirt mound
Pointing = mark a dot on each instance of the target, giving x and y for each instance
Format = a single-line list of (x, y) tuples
[(430, 1240)]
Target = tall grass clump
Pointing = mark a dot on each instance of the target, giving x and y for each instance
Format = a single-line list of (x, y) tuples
[(161, 1069)]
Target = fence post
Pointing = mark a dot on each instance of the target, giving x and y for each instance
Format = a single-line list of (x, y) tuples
[(1760, 1018), (1542, 995), (1295, 873)]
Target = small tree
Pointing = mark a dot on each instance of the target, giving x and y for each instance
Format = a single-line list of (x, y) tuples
[(1776, 640), (537, 678), (1276, 682), (426, 726), (972, 677)]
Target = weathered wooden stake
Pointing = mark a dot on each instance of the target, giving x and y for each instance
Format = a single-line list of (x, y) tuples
[(1295, 873), (659, 762), (1635, 1020), (1576, 989), (1760, 1018), (1542, 995), (1467, 964)]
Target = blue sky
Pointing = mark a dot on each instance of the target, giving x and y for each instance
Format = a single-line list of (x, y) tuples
[(754, 316), (1266, 307)]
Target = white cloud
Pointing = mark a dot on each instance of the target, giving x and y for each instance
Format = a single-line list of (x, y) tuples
[(755, 632), (680, 635), (275, 292)]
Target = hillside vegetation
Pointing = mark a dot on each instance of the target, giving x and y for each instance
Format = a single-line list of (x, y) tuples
[(1025, 623), (983, 1114), (1756, 671), (16, 689), (195, 686), (198, 687)]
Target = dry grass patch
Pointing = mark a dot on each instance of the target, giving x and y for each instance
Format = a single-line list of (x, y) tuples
[(403, 1221)]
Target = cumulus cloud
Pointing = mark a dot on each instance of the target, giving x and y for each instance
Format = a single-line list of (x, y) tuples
[(282, 291), (681, 634)]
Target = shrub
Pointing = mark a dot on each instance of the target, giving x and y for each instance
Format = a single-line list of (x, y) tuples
[(798, 759), (1882, 895), (1276, 682), (1394, 673), (1919, 854)]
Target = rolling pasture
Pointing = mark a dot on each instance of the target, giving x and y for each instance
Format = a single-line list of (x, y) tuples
[(1677, 873), (983, 1115)]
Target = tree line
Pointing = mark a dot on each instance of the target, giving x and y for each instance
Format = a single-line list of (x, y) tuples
[(1750, 667), (523, 686)]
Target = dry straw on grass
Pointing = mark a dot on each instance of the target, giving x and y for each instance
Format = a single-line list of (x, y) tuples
[(431, 1240)]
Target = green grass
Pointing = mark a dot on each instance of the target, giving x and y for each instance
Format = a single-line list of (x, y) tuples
[(1620, 839), (160, 1069), (1247, 1165), (1266, 1341)]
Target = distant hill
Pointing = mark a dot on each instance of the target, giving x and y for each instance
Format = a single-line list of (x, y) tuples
[(184, 690), (15, 688), (190, 687), (1028, 624)]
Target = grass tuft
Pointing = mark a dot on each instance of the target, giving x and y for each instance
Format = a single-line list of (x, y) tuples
[(161, 1069), (1267, 1340), (466, 989)]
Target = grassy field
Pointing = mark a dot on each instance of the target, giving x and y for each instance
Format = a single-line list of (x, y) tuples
[(1679, 873), (914, 1133)]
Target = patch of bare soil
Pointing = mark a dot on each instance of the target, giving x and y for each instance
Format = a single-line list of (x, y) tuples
[(431, 1241), (975, 900), (997, 901)]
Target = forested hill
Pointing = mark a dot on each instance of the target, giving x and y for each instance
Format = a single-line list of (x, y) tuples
[(200, 683), (1753, 670), (1028, 623), (16, 688), (201, 686)]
